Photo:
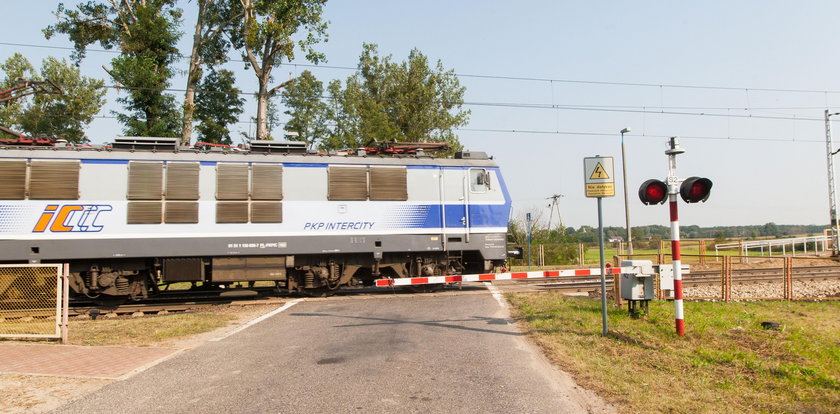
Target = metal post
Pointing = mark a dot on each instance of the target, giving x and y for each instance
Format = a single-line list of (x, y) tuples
[(603, 271), (528, 219), (626, 199), (673, 190), (65, 301), (832, 197)]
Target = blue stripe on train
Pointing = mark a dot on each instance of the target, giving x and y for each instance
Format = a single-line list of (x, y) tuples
[(429, 216)]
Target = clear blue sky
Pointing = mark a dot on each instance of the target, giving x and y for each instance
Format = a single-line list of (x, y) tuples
[(745, 45)]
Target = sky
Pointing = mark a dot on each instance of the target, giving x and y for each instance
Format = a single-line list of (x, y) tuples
[(743, 84)]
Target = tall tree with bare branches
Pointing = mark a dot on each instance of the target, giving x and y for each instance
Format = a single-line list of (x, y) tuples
[(268, 33), (209, 49)]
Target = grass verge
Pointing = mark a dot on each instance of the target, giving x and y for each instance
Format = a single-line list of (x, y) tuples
[(146, 331), (726, 362)]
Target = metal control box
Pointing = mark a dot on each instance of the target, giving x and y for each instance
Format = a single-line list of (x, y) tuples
[(637, 285)]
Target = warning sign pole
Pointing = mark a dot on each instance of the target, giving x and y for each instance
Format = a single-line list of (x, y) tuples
[(599, 183)]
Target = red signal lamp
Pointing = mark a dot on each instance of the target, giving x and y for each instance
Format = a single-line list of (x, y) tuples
[(695, 189), (653, 192)]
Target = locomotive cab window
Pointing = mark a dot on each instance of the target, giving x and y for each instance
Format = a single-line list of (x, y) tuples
[(479, 180)]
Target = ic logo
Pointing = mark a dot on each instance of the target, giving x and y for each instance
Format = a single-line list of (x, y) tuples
[(71, 218)]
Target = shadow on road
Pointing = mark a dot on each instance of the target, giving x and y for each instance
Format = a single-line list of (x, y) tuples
[(446, 323)]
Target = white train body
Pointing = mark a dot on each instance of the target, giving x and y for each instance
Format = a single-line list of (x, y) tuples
[(128, 219)]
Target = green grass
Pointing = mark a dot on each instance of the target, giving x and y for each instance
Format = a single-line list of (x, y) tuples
[(726, 362), (149, 330)]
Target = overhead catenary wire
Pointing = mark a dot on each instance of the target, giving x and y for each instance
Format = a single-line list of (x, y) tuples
[(661, 110), (625, 109), (576, 133), (498, 77)]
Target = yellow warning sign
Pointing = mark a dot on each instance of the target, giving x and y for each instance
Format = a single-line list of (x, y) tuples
[(600, 190), (598, 176), (599, 173)]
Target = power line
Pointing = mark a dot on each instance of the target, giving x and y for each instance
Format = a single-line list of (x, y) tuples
[(502, 77), (612, 135), (574, 133), (639, 110)]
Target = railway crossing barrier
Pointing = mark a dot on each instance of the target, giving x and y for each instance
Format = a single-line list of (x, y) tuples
[(484, 277), (33, 301)]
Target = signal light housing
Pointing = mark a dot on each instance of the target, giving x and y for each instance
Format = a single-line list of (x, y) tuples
[(653, 192), (695, 189)]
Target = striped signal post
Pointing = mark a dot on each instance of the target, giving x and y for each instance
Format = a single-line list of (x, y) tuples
[(691, 190), (677, 262), (674, 189)]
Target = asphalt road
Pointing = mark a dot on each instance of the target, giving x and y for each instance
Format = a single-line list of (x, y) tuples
[(444, 353)]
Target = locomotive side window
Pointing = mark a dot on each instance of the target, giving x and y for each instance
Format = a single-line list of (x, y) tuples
[(54, 180), (479, 180), (347, 183), (12, 179), (145, 182), (388, 183)]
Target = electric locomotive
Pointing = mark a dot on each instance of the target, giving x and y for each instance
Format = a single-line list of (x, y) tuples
[(145, 212)]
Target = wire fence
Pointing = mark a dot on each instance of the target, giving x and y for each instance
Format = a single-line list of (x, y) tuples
[(732, 278), (33, 301)]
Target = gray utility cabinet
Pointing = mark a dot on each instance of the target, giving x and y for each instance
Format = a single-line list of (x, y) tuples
[(637, 285)]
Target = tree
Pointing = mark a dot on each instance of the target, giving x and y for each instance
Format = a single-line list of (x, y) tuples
[(309, 115), (268, 34), (404, 102), (15, 67), (146, 32), (60, 116), (209, 49), (217, 105)]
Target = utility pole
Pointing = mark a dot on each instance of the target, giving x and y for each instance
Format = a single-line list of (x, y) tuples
[(554, 205), (626, 202), (832, 197)]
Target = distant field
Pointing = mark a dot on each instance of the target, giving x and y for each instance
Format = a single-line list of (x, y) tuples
[(690, 251), (726, 362)]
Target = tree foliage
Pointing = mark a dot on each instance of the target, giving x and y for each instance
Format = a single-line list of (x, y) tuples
[(309, 115), (209, 49), (217, 106), (146, 32), (268, 34), (59, 116), (408, 101)]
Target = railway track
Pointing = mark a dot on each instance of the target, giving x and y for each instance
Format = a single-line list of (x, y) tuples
[(185, 300), (713, 278)]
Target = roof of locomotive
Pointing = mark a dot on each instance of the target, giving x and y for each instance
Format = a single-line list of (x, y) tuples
[(203, 155)]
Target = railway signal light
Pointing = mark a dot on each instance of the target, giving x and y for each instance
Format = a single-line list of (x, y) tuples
[(695, 189), (653, 192)]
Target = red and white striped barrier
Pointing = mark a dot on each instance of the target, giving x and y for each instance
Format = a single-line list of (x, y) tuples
[(429, 280)]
